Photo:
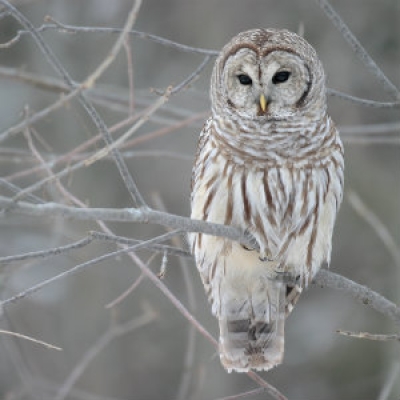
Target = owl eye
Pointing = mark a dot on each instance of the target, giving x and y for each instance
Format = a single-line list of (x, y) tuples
[(281, 76), (245, 79)]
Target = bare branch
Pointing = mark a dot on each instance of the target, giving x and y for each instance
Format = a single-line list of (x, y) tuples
[(146, 215), (103, 66), (98, 121), (15, 189), (112, 333), (359, 292), (131, 288), (370, 336), (372, 140), (390, 382), (376, 224), (129, 62), (362, 102), (77, 153), (371, 129), (244, 395), (189, 357), (143, 35), (47, 253), (192, 77), (126, 293), (158, 248), (324, 278), (358, 49), (39, 115), (86, 264), (30, 339), (116, 143)]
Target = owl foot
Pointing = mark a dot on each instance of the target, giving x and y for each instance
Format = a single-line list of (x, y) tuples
[(286, 277), (252, 241), (265, 256)]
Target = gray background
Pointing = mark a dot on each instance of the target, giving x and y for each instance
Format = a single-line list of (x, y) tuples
[(149, 362)]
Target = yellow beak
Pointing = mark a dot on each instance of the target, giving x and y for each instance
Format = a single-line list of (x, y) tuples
[(263, 103)]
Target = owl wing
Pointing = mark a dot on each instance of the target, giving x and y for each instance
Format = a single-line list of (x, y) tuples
[(200, 145)]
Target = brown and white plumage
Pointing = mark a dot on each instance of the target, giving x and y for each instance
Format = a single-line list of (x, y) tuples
[(269, 161)]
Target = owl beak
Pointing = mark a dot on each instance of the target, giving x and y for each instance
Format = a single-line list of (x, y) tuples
[(263, 103)]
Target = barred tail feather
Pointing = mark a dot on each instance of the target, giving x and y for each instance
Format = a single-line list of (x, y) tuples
[(255, 342)]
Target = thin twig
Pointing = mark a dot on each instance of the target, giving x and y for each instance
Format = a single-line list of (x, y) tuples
[(98, 121), (191, 78), (158, 248), (143, 35), (42, 82), (102, 94), (103, 66), (163, 267), (376, 224), (358, 49), (244, 394), (41, 388), (42, 284), (129, 70), (112, 333), (116, 143), (189, 358), (47, 253), (126, 293), (15, 189), (363, 294), (369, 141), (39, 115), (391, 380), (37, 155), (76, 154), (131, 288), (30, 339), (268, 388), (361, 101), (370, 336), (66, 159), (371, 129)]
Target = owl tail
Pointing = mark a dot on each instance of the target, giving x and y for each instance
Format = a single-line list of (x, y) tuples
[(255, 340)]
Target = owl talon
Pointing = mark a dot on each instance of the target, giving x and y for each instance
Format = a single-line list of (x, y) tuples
[(265, 256), (251, 241), (286, 277)]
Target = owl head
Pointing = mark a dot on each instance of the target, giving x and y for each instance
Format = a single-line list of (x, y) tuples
[(267, 75)]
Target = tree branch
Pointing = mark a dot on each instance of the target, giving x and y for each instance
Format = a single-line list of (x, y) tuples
[(324, 278), (359, 292), (358, 49), (86, 104)]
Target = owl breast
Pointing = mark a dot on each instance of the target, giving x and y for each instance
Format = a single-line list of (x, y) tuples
[(290, 212)]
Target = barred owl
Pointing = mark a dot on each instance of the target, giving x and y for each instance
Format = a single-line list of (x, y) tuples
[(269, 162)]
